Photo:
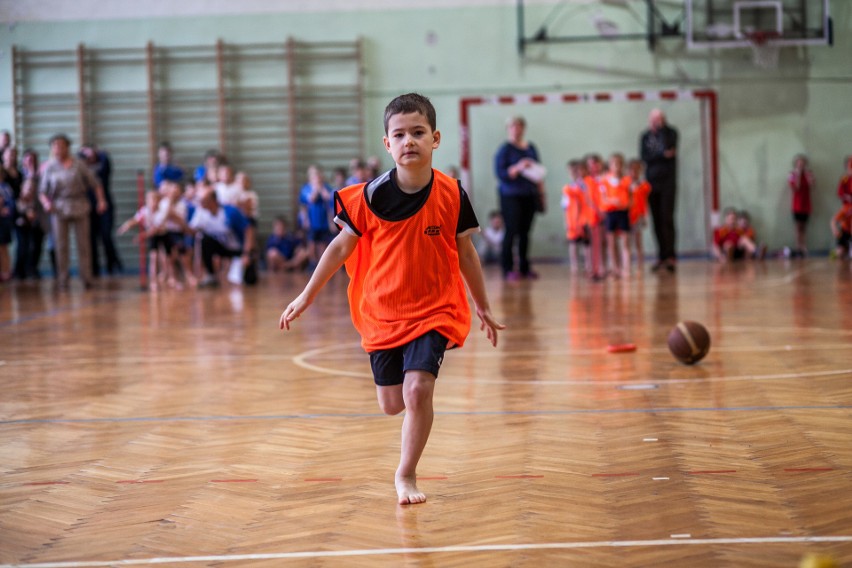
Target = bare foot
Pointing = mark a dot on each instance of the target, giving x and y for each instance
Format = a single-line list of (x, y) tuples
[(406, 489)]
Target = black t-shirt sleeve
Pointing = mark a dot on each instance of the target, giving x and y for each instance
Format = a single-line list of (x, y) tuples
[(341, 215), (467, 217)]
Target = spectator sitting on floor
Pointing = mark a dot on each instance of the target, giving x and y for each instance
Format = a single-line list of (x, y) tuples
[(225, 234)]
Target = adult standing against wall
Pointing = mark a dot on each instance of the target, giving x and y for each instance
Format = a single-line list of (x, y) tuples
[(658, 148), (519, 174), (101, 224), (62, 190)]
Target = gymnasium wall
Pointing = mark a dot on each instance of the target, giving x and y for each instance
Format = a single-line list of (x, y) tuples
[(766, 116)]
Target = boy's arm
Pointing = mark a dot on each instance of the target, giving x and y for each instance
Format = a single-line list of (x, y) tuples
[(330, 262), (472, 272)]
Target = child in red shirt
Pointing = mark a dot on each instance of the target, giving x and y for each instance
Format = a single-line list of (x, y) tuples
[(801, 182), (844, 188), (726, 238)]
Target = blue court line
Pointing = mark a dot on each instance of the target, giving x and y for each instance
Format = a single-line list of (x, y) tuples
[(163, 419)]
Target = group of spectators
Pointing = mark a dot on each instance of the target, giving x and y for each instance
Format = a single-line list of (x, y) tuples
[(47, 201), (602, 205), (199, 227), (735, 238)]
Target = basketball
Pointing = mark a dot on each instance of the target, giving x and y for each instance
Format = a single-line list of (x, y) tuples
[(689, 342)]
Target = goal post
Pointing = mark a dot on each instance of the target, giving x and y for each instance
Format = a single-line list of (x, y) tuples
[(706, 132)]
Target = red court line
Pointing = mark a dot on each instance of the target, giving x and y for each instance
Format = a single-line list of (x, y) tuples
[(711, 472), (141, 481), (806, 469), (48, 483), (614, 474), (233, 481), (518, 476), (323, 479)]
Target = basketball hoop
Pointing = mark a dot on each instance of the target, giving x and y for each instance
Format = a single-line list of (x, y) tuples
[(764, 50)]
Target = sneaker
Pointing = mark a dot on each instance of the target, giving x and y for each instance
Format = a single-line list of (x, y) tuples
[(531, 275), (512, 276)]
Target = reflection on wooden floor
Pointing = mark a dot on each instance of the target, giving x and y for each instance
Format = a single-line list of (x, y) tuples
[(183, 428)]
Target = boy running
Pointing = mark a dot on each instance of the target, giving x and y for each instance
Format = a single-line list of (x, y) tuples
[(406, 243)]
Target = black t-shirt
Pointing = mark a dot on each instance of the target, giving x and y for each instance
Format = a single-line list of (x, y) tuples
[(390, 203)]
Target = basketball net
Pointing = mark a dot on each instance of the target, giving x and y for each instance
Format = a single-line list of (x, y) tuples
[(764, 51)]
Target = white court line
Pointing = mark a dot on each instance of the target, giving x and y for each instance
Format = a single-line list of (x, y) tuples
[(440, 549)]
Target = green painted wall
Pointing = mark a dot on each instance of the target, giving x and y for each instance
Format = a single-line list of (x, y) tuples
[(766, 116)]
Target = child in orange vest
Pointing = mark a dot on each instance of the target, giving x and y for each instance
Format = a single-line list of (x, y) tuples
[(841, 228), (574, 203), (406, 243), (614, 195), (592, 179), (639, 190)]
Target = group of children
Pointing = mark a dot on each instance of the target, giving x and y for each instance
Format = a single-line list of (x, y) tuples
[(841, 222), (164, 220), (801, 182), (605, 212), (302, 247), (735, 239)]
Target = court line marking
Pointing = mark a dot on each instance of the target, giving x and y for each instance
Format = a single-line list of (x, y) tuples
[(569, 412), (673, 541)]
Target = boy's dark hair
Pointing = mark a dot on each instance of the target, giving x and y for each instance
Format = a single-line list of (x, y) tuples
[(165, 145), (494, 213), (408, 103)]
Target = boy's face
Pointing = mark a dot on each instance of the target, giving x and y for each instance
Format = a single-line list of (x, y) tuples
[(731, 219), (636, 169), (616, 164), (410, 140)]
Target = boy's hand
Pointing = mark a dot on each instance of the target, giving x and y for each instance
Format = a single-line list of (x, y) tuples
[(292, 312), (489, 324)]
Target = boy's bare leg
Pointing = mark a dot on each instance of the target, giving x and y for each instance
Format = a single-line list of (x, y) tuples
[(415, 397), (417, 392)]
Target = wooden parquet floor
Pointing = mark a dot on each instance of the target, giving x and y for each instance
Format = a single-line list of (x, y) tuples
[(183, 429)]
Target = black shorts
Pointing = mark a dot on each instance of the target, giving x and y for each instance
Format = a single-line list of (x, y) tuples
[(168, 242), (426, 353), (618, 221), (844, 239), (801, 217)]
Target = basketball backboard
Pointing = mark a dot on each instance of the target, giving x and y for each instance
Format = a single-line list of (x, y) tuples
[(735, 23)]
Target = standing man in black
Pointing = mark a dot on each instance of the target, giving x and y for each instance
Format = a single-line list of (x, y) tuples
[(658, 149)]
